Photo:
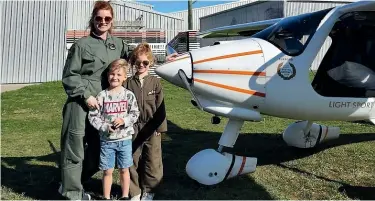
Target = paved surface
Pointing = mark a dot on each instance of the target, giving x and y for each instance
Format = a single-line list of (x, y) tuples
[(11, 87)]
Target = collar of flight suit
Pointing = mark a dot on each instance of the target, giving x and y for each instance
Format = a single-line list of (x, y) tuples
[(136, 76), (108, 41)]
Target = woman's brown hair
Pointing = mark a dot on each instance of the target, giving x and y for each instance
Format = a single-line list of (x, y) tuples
[(100, 5), (143, 48)]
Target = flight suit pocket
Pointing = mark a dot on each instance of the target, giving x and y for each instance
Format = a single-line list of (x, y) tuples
[(91, 63), (150, 96), (74, 147), (74, 151)]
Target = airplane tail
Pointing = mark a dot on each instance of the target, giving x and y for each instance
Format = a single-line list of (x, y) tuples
[(170, 50)]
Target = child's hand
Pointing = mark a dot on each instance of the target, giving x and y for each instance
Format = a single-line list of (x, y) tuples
[(118, 122), (110, 129), (172, 57)]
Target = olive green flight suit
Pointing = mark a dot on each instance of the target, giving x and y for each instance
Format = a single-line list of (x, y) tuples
[(147, 172), (84, 75)]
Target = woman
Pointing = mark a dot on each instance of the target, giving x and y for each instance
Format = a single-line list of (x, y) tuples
[(87, 61)]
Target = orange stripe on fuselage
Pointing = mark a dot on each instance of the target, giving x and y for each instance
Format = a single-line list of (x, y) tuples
[(246, 91), (325, 134), (229, 56), (184, 57), (232, 72)]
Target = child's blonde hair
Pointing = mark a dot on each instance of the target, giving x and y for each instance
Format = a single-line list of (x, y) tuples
[(143, 48), (119, 64)]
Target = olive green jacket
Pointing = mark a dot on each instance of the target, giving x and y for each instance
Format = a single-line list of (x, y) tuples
[(150, 98), (84, 74)]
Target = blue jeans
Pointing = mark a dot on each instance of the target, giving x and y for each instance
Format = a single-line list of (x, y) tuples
[(120, 151)]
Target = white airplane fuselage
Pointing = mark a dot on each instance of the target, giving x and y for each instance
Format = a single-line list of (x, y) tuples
[(245, 78), (249, 77)]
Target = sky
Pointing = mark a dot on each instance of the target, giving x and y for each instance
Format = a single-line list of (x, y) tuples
[(167, 6)]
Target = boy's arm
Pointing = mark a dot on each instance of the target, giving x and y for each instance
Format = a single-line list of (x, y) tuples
[(133, 111), (95, 117), (160, 105)]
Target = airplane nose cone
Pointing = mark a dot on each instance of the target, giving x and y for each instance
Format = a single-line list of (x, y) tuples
[(169, 71)]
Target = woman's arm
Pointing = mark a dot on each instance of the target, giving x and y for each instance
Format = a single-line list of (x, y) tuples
[(71, 79), (95, 116)]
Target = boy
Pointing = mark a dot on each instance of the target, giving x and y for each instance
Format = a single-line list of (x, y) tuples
[(147, 172), (114, 120)]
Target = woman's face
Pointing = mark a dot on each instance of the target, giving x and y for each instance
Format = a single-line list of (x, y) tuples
[(103, 21), (142, 63)]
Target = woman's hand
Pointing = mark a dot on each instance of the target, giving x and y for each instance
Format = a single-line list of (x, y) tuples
[(171, 57), (92, 103)]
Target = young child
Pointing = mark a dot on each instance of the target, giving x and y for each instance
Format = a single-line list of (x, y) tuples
[(115, 119), (147, 171)]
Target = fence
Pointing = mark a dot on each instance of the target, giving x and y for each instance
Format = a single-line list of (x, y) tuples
[(180, 41), (129, 36)]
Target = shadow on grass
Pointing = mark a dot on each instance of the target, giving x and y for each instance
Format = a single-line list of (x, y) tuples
[(41, 181)]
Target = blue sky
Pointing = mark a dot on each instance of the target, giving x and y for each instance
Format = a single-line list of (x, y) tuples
[(166, 6)]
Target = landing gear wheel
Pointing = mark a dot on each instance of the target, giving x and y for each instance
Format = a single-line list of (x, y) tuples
[(215, 120)]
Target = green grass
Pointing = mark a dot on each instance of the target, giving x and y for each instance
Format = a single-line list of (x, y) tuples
[(31, 123)]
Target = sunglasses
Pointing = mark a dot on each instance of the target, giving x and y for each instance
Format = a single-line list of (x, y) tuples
[(100, 19), (145, 63)]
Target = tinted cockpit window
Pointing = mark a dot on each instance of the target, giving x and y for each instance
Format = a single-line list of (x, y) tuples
[(291, 35)]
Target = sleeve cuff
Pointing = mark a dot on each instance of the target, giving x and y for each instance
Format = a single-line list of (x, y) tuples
[(86, 94)]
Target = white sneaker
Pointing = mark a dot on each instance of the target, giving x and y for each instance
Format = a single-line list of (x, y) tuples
[(60, 189), (84, 197), (137, 197), (148, 196)]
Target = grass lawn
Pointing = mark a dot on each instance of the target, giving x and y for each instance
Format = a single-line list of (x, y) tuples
[(31, 123)]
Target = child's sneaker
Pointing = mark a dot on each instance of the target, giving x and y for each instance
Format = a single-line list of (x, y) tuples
[(124, 198), (85, 196), (137, 197), (147, 196)]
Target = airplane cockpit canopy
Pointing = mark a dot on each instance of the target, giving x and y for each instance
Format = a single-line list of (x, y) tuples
[(292, 35)]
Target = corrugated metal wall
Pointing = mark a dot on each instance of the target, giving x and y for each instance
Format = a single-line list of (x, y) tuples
[(256, 11), (200, 12), (152, 19), (33, 36), (299, 7), (79, 15), (139, 5), (32, 41)]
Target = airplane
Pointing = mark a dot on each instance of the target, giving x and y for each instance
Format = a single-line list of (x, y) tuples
[(268, 73)]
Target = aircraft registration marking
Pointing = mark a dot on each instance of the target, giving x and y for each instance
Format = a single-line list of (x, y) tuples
[(246, 91), (232, 72), (350, 104), (229, 56)]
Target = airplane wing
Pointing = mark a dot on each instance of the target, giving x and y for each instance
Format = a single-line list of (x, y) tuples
[(245, 29)]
